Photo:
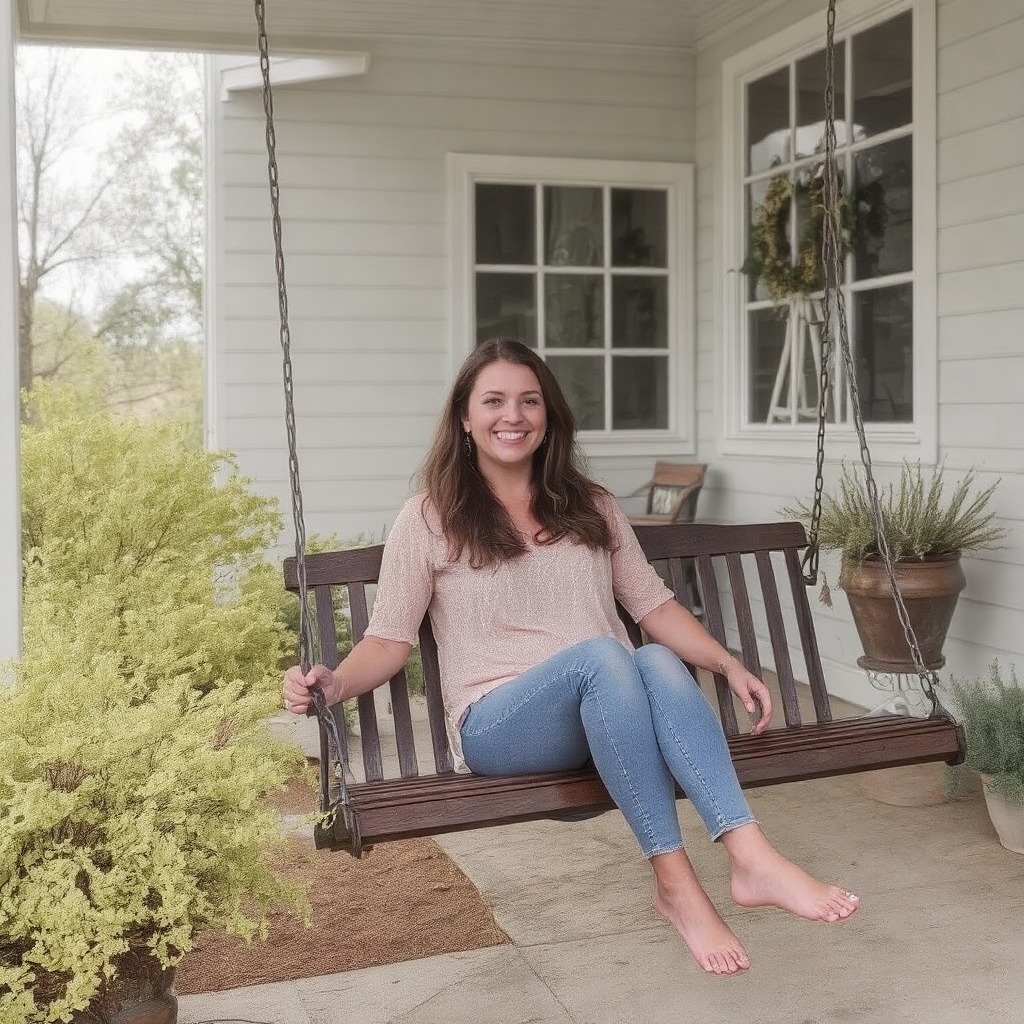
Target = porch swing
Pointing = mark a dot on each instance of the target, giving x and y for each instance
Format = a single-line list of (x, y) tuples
[(389, 794)]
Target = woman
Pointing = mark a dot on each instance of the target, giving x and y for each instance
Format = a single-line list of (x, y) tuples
[(519, 558)]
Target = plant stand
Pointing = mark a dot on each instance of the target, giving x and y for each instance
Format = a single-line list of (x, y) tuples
[(801, 353), (915, 785)]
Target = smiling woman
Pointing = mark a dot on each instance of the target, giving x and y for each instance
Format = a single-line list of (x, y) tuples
[(505, 423), (520, 560)]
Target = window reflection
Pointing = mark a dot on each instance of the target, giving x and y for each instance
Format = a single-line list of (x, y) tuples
[(639, 312), (768, 133), (573, 227), (574, 310), (505, 224), (640, 393), (810, 103), (766, 333), (582, 380), (506, 304), (885, 354), (883, 76), (639, 227), (883, 240)]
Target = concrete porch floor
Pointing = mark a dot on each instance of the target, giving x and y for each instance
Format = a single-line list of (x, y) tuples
[(939, 938)]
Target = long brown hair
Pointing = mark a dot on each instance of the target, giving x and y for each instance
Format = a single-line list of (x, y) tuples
[(565, 499)]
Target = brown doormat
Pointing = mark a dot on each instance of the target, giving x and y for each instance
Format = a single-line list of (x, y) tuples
[(403, 900)]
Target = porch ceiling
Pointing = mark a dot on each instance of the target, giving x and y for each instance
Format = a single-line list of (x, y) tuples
[(301, 26)]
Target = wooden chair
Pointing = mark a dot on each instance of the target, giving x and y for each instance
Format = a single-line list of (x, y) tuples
[(672, 494), (743, 572)]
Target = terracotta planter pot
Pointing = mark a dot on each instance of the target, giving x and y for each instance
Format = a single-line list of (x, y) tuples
[(929, 587), (1007, 818)]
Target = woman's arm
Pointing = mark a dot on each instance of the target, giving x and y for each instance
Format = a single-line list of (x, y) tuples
[(673, 626), (370, 663)]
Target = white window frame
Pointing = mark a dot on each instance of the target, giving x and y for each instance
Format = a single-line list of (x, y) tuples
[(889, 442), (466, 169)]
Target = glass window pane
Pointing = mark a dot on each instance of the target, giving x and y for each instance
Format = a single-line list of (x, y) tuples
[(582, 380), (884, 232), (753, 264), (639, 227), (505, 224), (767, 336), (506, 306), (810, 102), (885, 353), (640, 393), (810, 225), (768, 135), (883, 77), (639, 311), (574, 311), (573, 227)]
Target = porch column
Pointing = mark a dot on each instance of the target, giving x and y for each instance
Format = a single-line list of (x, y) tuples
[(10, 484)]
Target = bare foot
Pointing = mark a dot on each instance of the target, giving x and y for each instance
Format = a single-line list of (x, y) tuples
[(679, 898), (772, 881)]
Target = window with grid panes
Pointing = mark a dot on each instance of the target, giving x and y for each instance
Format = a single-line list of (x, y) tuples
[(587, 275), (783, 135)]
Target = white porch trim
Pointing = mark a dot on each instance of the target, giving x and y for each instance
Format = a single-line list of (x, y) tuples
[(292, 71), (10, 476)]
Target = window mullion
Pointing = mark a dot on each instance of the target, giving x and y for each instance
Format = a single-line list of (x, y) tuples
[(539, 268)]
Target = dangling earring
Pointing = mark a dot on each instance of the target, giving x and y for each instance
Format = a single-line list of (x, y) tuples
[(468, 445)]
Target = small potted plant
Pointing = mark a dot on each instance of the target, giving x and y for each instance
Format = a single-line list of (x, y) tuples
[(992, 711), (926, 532)]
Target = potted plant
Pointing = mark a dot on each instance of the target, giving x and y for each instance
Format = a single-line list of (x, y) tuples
[(926, 532), (135, 753), (992, 712)]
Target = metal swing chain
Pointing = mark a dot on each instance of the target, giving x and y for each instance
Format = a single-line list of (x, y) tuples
[(832, 265), (341, 770)]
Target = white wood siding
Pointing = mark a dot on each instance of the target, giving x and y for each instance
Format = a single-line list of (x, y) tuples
[(980, 298), (362, 172)]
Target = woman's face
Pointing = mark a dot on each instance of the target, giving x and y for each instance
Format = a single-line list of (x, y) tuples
[(505, 416)]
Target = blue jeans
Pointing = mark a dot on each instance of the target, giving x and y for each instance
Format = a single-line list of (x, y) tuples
[(640, 716)]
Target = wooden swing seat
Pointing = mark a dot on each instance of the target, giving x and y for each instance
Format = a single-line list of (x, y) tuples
[(739, 569)]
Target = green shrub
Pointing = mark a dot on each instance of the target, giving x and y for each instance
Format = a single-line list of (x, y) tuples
[(135, 756), (167, 541), (992, 712), (128, 824)]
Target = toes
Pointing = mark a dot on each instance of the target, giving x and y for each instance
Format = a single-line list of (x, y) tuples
[(725, 963), (840, 905)]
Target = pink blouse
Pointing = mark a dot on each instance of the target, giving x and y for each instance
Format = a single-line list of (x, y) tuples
[(492, 624)]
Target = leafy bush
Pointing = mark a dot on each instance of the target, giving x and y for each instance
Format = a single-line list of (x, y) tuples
[(135, 756), (992, 712), (166, 540)]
